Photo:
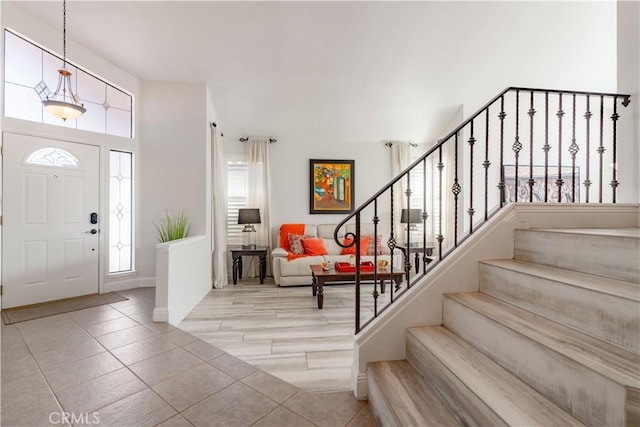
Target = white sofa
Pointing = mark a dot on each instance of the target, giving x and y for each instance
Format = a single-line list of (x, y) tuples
[(296, 272)]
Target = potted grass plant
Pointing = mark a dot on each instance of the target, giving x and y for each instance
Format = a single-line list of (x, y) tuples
[(173, 227)]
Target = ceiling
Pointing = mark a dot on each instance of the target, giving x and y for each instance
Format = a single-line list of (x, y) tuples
[(355, 71)]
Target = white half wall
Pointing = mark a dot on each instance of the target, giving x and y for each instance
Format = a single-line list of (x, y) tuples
[(183, 277), (173, 162)]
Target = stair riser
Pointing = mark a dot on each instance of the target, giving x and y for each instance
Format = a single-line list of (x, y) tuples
[(378, 404), (583, 393), (461, 400), (610, 318), (615, 257)]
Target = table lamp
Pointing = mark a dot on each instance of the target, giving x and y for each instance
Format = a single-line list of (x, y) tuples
[(411, 217), (248, 217)]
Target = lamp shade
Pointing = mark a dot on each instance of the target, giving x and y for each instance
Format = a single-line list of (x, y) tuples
[(411, 216), (248, 216)]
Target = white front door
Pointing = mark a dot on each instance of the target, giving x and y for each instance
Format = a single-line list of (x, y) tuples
[(49, 244)]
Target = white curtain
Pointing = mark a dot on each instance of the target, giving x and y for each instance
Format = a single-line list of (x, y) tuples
[(400, 160), (219, 211), (259, 166)]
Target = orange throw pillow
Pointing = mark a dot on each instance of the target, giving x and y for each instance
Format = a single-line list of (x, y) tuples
[(351, 250), (314, 247)]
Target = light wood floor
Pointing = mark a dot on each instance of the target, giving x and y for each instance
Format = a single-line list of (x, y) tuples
[(281, 330)]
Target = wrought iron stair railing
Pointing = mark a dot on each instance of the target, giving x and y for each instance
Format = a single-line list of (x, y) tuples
[(525, 145)]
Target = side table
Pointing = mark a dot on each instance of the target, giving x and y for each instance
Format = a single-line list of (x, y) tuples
[(237, 252)]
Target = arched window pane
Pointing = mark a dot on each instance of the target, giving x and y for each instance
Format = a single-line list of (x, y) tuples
[(53, 157)]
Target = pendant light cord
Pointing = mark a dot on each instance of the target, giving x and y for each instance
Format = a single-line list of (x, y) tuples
[(64, 34)]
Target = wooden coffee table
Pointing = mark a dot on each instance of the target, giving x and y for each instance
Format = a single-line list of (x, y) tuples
[(320, 277)]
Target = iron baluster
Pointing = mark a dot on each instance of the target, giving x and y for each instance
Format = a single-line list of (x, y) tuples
[(501, 184), (587, 181), (531, 181), (573, 150), (375, 293), (517, 146), (486, 165), (559, 181), (471, 211), (425, 215), (546, 146), (440, 238), (357, 272), (601, 148), (614, 117), (455, 189)]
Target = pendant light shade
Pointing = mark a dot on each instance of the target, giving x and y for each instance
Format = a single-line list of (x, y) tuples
[(64, 103)]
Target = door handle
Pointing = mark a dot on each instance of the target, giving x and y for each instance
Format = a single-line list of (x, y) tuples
[(92, 231)]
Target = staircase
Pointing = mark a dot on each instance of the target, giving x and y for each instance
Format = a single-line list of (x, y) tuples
[(551, 338)]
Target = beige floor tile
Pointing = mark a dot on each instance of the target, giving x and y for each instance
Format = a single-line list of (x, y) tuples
[(365, 418), (101, 313), (282, 417), (99, 392), (16, 390), (165, 365), (141, 409), (272, 387), (236, 405), (69, 374), (10, 335), (134, 307), (141, 350), (180, 337), (75, 350), (51, 337), (125, 337), (325, 409), (233, 366), (97, 329), (190, 387), (33, 409), (17, 369), (14, 351), (203, 350), (176, 421)]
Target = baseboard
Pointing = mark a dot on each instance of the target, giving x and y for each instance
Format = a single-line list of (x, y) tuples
[(121, 285), (360, 385), (147, 282), (160, 314)]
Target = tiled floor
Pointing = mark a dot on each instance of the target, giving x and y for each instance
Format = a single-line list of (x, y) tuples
[(281, 330), (112, 366)]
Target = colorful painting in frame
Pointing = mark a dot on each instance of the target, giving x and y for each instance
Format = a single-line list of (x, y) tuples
[(332, 189)]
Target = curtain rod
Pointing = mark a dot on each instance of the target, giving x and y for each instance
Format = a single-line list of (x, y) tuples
[(271, 140), (389, 144)]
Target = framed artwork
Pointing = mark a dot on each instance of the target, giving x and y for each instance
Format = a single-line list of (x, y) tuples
[(522, 184), (331, 186)]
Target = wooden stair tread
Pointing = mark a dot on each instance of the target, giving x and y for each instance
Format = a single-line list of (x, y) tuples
[(405, 388), (610, 361), (510, 398), (630, 232), (607, 285)]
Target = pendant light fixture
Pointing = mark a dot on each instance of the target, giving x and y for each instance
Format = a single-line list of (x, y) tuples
[(64, 103)]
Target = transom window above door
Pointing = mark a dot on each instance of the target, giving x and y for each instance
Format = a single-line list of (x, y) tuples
[(31, 74)]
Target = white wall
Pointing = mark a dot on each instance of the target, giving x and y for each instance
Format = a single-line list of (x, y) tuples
[(173, 161), (629, 82)]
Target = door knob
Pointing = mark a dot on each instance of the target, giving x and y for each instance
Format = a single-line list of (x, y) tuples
[(92, 231)]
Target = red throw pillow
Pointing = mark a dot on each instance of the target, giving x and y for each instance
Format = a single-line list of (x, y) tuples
[(314, 247), (351, 250)]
